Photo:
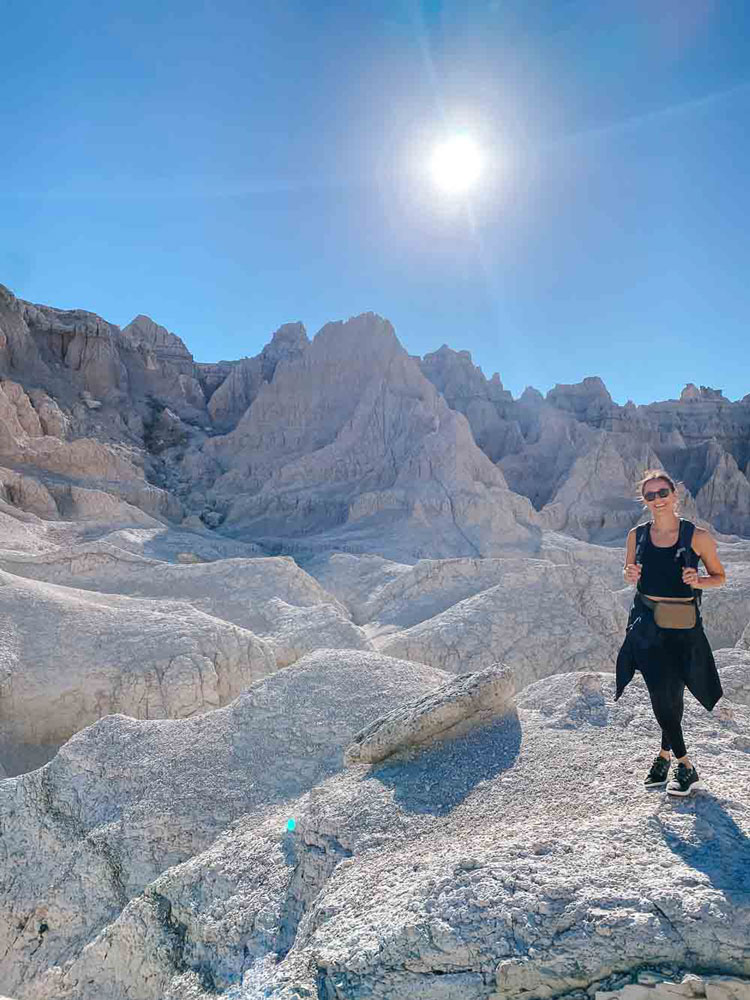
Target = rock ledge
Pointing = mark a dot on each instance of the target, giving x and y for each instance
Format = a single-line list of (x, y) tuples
[(468, 701)]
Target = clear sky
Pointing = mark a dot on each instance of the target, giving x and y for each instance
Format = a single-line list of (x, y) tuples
[(226, 166)]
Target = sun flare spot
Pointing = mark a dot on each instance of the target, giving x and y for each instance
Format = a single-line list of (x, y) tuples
[(456, 164)]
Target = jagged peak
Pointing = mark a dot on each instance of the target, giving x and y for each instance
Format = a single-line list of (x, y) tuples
[(146, 331), (590, 385), (531, 395), (692, 391)]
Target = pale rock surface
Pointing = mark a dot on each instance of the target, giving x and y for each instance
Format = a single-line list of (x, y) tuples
[(23, 439), (82, 478), (724, 496), (358, 581), (597, 501), (539, 619), (350, 444), (166, 543), (467, 702), (126, 799), (21, 531), (293, 631), (604, 562), (379, 591), (552, 441), (383, 595), (726, 610), (435, 876), (160, 364), (588, 401), (159, 346), (537, 441), (27, 494), (485, 404), (79, 341), (273, 598), (68, 657), (233, 396)]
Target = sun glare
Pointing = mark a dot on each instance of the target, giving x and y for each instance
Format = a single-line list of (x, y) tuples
[(456, 164)]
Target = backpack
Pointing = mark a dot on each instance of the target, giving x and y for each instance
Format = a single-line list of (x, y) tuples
[(684, 551)]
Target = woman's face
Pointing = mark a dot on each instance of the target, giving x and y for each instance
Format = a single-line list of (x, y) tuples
[(659, 504)]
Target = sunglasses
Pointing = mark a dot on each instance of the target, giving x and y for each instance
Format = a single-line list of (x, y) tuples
[(653, 494)]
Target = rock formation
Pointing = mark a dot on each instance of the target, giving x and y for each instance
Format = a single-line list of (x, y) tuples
[(125, 800), (466, 703), (703, 438), (350, 443), (232, 398), (70, 656), (265, 602), (236, 590), (435, 875), (583, 626)]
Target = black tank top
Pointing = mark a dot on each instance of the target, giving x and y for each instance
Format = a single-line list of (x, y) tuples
[(662, 573)]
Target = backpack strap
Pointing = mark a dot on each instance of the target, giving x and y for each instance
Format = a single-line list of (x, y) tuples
[(641, 533), (685, 552)]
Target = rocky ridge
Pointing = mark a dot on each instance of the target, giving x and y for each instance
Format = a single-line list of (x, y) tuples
[(226, 442)]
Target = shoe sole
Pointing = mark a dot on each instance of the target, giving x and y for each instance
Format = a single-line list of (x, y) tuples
[(676, 791), (655, 784)]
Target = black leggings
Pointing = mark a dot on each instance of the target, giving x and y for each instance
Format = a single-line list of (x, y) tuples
[(666, 688)]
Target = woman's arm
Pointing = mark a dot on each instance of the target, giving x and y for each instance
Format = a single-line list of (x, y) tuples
[(705, 546)]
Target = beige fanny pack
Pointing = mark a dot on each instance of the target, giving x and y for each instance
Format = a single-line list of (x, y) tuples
[(673, 614)]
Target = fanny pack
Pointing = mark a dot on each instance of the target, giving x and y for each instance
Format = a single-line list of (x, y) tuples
[(669, 614)]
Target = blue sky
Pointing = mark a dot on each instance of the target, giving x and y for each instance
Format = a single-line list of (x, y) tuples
[(226, 167)]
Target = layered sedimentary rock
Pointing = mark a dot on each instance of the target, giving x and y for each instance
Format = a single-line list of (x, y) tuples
[(232, 398), (485, 404), (702, 438), (347, 415), (160, 365), (350, 443)]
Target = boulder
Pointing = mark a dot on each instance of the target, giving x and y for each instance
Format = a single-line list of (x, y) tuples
[(464, 703)]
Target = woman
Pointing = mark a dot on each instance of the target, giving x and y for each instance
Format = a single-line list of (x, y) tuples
[(674, 653)]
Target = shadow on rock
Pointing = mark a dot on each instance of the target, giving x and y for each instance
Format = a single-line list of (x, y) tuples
[(716, 846), (438, 777)]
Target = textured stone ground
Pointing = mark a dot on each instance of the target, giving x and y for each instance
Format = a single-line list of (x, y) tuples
[(523, 855)]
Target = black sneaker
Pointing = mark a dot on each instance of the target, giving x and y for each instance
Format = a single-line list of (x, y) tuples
[(683, 782), (658, 773)]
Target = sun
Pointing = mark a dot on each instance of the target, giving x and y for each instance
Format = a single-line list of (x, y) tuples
[(456, 164)]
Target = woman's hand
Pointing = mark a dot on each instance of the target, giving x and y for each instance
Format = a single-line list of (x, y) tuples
[(633, 572), (690, 576)]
